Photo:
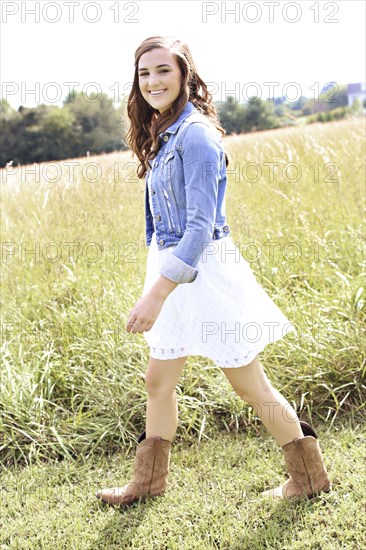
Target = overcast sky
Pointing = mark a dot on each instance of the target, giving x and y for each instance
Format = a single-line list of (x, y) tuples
[(307, 42)]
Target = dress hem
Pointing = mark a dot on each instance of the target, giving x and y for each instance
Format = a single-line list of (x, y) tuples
[(241, 361)]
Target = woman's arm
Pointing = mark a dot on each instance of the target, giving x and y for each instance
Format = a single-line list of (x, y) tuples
[(203, 158), (145, 312), (163, 287)]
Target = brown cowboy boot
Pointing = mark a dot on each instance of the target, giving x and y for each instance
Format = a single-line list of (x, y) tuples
[(151, 467), (305, 466)]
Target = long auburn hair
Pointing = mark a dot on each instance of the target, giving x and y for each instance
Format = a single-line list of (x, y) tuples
[(146, 122)]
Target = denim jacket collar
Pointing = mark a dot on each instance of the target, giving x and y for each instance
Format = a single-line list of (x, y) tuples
[(172, 129)]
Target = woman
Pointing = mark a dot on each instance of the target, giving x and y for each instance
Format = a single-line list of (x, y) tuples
[(200, 296)]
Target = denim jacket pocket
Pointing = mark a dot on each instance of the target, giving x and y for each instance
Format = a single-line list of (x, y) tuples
[(168, 193)]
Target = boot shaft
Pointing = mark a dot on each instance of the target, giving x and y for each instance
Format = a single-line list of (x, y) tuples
[(151, 465), (304, 463)]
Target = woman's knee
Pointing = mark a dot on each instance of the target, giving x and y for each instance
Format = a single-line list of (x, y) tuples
[(157, 386), (162, 376), (255, 393)]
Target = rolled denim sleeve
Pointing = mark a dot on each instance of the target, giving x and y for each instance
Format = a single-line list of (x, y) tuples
[(202, 156)]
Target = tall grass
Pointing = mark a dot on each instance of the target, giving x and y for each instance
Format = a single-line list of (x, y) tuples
[(72, 379)]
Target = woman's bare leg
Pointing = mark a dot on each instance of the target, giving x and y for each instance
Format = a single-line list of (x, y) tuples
[(251, 383), (162, 410)]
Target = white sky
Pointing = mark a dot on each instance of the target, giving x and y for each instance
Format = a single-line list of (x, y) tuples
[(309, 53)]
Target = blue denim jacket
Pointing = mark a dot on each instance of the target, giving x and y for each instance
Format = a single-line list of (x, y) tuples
[(188, 184)]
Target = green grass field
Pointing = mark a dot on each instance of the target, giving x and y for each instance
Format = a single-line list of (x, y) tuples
[(72, 379)]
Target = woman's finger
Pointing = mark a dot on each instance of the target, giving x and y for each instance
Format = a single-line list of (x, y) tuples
[(131, 325), (137, 325)]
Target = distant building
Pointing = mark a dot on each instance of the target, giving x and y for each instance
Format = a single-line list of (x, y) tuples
[(356, 91)]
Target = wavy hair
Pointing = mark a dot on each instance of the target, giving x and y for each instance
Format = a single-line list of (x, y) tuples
[(146, 122)]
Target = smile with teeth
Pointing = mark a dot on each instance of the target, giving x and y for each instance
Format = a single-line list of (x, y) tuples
[(156, 92)]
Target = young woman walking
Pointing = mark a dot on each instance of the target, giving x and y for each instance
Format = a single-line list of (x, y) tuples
[(200, 296)]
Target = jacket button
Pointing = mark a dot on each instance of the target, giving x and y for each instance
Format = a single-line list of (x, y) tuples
[(161, 241), (158, 218), (153, 191), (226, 228), (166, 138)]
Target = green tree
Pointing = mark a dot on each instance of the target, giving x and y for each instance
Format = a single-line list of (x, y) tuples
[(259, 115), (45, 133), (299, 104), (21, 136), (231, 114), (6, 109), (58, 131), (356, 106), (333, 95), (96, 123)]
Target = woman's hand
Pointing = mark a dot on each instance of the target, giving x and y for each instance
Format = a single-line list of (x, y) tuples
[(144, 314)]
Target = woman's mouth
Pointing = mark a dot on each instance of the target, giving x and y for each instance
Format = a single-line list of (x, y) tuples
[(156, 92)]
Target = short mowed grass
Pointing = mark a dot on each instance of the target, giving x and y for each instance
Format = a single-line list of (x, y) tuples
[(73, 397), (213, 500)]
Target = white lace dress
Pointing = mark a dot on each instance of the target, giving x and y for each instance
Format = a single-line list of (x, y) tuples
[(224, 314)]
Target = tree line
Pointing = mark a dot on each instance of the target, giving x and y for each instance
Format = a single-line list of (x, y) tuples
[(255, 114), (94, 125), (45, 133)]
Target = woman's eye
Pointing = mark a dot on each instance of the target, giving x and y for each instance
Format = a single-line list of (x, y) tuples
[(161, 71)]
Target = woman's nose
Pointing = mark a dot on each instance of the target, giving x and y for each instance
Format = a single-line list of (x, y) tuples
[(153, 79)]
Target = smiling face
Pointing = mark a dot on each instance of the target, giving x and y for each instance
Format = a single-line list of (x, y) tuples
[(159, 78)]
